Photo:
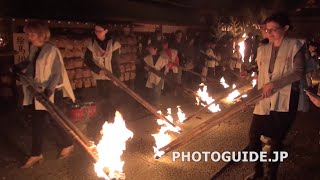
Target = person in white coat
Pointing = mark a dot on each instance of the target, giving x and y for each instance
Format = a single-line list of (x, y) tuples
[(155, 83), (280, 62), (45, 66), (212, 60), (236, 59), (171, 69), (101, 53)]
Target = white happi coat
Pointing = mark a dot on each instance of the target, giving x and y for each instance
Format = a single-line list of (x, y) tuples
[(279, 101), (153, 79), (102, 57), (172, 57), (212, 63), (235, 64), (44, 62)]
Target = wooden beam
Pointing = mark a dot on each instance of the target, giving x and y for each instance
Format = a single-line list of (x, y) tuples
[(214, 120), (138, 98), (61, 119), (254, 96), (172, 82), (218, 99)]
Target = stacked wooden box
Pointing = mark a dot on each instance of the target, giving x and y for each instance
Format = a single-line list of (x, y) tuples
[(128, 57), (72, 51), (80, 75)]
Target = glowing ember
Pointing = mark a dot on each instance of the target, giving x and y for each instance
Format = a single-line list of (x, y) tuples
[(223, 82), (244, 96), (254, 82), (214, 108), (181, 115), (233, 95), (242, 47), (234, 86), (111, 147), (204, 96)]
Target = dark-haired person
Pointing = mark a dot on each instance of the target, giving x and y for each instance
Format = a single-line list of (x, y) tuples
[(171, 68), (178, 44), (236, 59), (280, 62), (314, 51), (100, 53), (45, 66), (314, 48), (211, 60), (248, 51), (155, 83)]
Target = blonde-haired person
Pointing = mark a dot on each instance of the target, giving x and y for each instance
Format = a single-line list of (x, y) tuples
[(45, 66)]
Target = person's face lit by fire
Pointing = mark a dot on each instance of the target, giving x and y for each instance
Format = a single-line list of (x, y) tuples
[(34, 38), (100, 32), (152, 50), (179, 36), (165, 45), (275, 32), (312, 48)]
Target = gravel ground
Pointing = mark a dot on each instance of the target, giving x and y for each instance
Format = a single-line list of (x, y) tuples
[(302, 145)]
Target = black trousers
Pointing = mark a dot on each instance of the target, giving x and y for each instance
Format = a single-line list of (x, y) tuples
[(107, 98), (40, 119), (169, 88), (275, 126)]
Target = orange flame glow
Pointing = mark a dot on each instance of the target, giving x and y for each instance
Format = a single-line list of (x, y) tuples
[(204, 96), (111, 147)]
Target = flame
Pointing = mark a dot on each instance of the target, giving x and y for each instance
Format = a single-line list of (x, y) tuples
[(181, 115), (198, 101), (169, 117), (241, 44), (223, 82), (242, 47), (162, 138), (233, 95), (111, 147), (166, 124), (244, 35), (203, 94), (214, 108)]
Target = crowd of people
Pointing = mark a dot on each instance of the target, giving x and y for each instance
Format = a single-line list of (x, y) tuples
[(281, 62), (175, 55)]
